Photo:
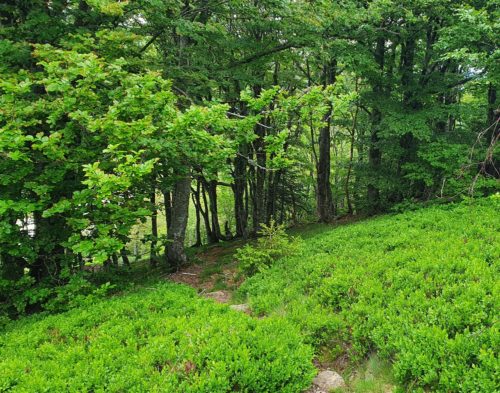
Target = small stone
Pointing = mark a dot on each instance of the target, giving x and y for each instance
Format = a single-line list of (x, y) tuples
[(369, 376), (388, 388), (218, 296), (241, 307), (327, 380)]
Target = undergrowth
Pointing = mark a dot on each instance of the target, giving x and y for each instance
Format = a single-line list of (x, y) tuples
[(421, 289), (159, 339)]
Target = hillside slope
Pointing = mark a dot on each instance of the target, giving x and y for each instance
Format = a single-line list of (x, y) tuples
[(420, 289), (159, 339)]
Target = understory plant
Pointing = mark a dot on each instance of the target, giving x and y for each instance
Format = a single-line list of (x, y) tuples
[(273, 243)]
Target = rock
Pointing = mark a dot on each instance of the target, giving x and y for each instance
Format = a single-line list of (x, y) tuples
[(388, 388), (219, 296), (241, 307), (369, 375), (327, 380)]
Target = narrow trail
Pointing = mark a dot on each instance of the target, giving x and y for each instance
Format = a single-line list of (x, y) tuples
[(214, 274)]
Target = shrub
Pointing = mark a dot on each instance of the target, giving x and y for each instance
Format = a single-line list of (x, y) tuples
[(160, 339), (273, 243), (420, 288), (19, 297)]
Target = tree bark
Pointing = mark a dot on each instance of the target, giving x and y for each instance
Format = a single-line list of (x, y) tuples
[(175, 253), (167, 200), (350, 210), (239, 185), (259, 194), (206, 215), (125, 260), (374, 153), (195, 195), (324, 199), (211, 187), (153, 256)]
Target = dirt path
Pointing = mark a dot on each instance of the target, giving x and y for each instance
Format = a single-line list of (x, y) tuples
[(214, 273)]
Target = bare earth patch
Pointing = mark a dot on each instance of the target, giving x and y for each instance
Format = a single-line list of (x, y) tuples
[(215, 269)]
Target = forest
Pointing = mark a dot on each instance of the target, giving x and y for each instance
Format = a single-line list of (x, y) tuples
[(329, 168)]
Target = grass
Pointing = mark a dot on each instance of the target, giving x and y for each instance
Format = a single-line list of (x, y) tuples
[(420, 289)]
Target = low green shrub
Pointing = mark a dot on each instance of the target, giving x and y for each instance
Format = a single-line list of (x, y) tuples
[(159, 339), (23, 296), (273, 243), (420, 288)]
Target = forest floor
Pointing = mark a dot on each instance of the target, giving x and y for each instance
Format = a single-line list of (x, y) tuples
[(214, 273), (214, 269)]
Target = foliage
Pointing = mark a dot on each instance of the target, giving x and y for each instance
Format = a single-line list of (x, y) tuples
[(420, 288), (273, 243), (161, 338)]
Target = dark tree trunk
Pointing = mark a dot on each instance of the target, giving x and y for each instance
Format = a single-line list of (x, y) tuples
[(493, 129), (374, 152), (125, 260), (259, 194), (114, 259), (411, 103), (175, 253), (153, 256), (214, 213), (492, 122), (272, 194), (324, 199), (350, 210), (195, 195), (211, 238), (167, 200), (239, 185)]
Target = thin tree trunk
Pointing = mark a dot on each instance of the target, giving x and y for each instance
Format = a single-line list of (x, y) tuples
[(206, 215), (239, 184), (196, 200), (125, 260), (153, 256), (167, 200), (214, 213), (259, 195), (351, 157)]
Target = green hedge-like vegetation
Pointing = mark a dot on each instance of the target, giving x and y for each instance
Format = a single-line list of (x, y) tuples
[(159, 339), (421, 288)]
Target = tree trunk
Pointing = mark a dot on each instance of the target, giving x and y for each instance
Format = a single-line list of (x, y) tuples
[(493, 129), (259, 195), (214, 213), (195, 195), (374, 153), (211, 238), (167, 200), (175, 253), (125, 260), (153, 256), (492, 122), (324, 199), (350, 210), (239, 185)]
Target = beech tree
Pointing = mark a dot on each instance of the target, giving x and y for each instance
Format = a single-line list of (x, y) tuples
[(117, 116)]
